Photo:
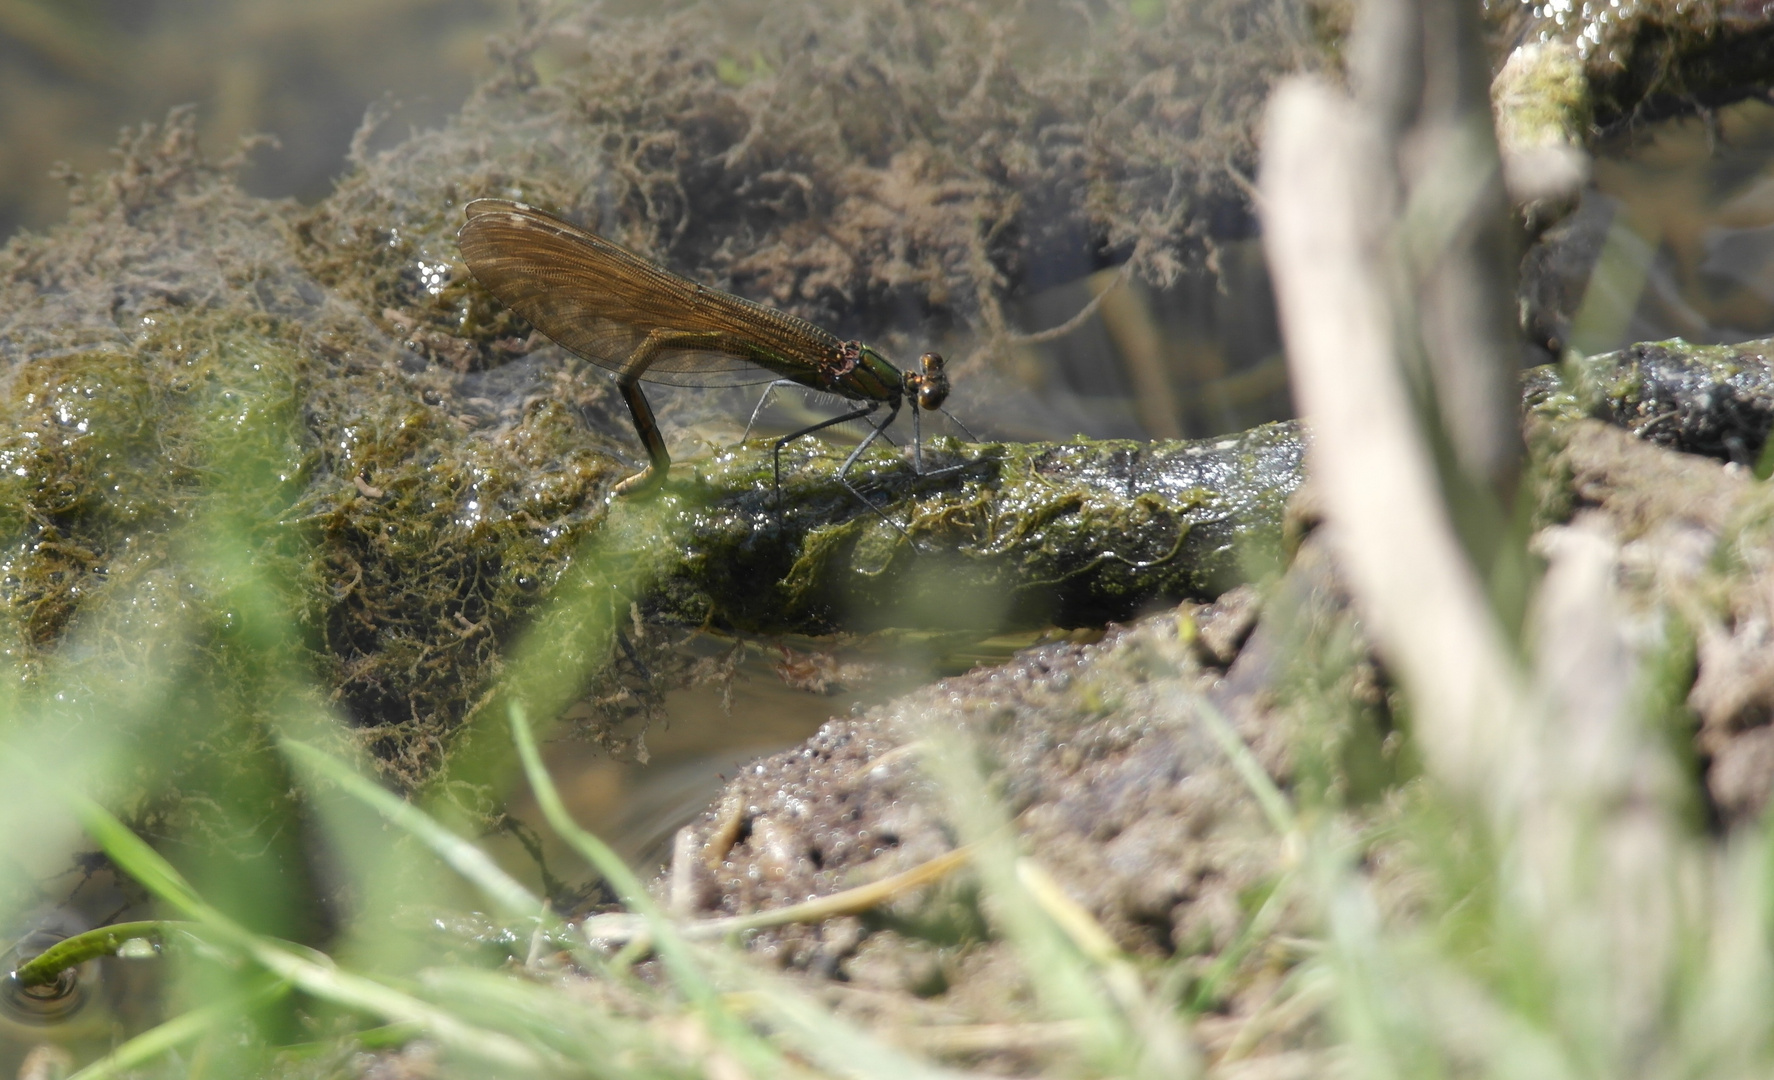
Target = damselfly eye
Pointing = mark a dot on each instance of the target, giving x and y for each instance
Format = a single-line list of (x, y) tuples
[(933, 385)]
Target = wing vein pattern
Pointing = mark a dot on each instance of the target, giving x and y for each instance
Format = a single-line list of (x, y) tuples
[(600, 301)]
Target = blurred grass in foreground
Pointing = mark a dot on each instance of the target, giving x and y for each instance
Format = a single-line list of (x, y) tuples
[(1576, 924), (307, 898), (1542, 905), (298, 909)]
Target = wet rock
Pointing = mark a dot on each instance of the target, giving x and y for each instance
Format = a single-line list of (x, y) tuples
[(1697, 567)]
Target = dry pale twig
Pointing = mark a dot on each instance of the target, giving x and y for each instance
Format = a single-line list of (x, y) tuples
[(1327, 244), (621, 927)]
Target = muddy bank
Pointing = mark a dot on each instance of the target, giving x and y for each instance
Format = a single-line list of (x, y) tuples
[(1106, 757)]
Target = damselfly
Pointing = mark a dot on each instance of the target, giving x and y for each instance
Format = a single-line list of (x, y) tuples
[(600, 301)]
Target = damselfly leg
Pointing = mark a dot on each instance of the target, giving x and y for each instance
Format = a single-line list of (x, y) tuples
[(876, 431)]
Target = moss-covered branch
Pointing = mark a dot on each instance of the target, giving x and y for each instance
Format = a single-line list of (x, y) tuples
[(47, 966), (996, 535)]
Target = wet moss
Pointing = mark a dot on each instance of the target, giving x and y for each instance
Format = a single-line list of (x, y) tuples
[(1542, 98), (403, 550), (108, 454), (1644, 60), (405, 520)]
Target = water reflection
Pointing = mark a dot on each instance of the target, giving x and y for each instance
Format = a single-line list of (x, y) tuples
[(1674, 239)]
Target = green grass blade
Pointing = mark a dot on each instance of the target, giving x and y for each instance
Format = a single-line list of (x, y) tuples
[(134, 857), (686, 973), (312, 973), (604, 859), (180, 1029), (460, 855), (1275, 805), (830, 1042), (616, 1044), (1070, 984)]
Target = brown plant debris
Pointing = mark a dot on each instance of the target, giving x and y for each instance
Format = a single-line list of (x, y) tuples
[(877, 168)]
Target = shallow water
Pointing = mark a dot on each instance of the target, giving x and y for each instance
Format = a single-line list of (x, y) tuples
[(1675, 237)]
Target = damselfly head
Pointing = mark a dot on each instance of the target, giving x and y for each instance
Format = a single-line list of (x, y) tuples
[(930, 386)]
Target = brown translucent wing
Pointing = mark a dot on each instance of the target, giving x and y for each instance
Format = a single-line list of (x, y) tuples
[(600, 301)]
